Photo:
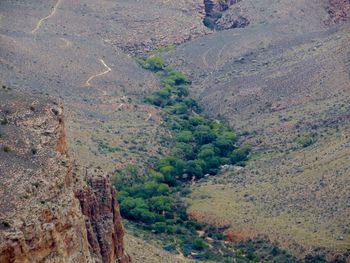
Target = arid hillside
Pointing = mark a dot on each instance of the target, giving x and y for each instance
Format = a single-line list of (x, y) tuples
[(284, 82), (277, 71), (80, 52)]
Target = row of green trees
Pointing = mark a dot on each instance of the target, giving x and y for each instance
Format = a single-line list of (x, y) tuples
[(200, 146)]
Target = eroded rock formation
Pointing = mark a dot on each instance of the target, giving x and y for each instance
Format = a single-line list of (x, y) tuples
[(214, 10), (41, 220), (103, 222)]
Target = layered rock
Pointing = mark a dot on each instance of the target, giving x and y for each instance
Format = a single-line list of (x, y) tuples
[(41, 220), (214, 10), (102, 218)]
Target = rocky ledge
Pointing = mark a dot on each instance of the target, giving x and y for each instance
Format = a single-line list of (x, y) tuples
[(50, 209)]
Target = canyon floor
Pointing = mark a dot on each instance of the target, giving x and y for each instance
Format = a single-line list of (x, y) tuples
[(281, 81)]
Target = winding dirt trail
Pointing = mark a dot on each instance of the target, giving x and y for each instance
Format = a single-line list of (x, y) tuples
[(87, 83), (204, 58), (54, 9)]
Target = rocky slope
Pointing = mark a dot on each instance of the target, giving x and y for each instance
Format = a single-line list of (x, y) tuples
[(282, 80), (282, 76), (50, 210)]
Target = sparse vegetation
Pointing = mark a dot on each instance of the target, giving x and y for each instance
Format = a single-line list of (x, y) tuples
[(209, 22), (6, 149), (307, 140), (4, 121), (4, 224), (104, 147), (34, 151)]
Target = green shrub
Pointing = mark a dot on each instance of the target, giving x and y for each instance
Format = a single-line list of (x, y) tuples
[(159, 227), (160, 204), (204, 135), (199, 244), (209, 22), (152, 63), (307, 140), (241, 154), (4, 121), (6, 149), (225, 142), (184, 151), (184, 136), (194, 168)]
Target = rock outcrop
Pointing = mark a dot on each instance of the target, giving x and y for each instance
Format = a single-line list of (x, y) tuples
[(215, 17), (338, 11), (41, 220), (102, 218), (213, 6)]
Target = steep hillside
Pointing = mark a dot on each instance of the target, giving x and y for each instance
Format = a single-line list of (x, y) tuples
[(41, 220), (284, 82)]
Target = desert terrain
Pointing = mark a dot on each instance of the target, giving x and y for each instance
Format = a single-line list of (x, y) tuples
[(277, 72)]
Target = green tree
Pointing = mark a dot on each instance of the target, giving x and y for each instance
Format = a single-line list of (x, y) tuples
[(196, 120), (194, 168), (122, 195), (178, 108), (199, 244), (126, 177), (241, 154), (182, 91), (163, 189), (142, 215), (204, 135), (154, 64), (160, 204), (184, 136), (184, 151), (225, 142), (159, 227), (129, 203), (149, 189), (207, 151)]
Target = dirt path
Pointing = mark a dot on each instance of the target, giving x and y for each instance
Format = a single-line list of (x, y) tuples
[(67, 43), (149, 117), (204, 58), (87, 83), (219, 60), (54, 9)]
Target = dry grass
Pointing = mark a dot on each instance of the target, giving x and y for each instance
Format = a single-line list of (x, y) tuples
[(149, 251), (123, 133)]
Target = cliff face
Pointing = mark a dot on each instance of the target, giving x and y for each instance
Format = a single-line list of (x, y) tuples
[(103, 222), (41, 220)]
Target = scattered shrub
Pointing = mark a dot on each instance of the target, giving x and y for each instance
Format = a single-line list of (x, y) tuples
[(307, 140), (6, 149), (33, 151), (4, 121)]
